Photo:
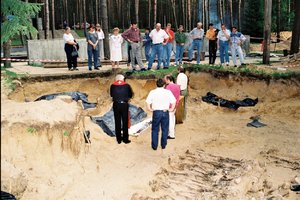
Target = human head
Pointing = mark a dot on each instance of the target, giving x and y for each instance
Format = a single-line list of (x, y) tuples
[(181, 69), (223, 27), (180, 28), (147, 30), (67, 30), (98, 27), (116, 30), (160, 82), (169, 25), (169, 79), (234, 29), (158, 26), (120, 77), (199, 25), (210, 26), (133, 24), (92, 27)]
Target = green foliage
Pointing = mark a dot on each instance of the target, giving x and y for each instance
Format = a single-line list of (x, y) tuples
[(9, 78), (17, 18), (66, 133), (31, 130), (254, 18)]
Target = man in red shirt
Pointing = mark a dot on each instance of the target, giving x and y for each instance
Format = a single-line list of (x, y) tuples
[(175, 89), (168, 47)]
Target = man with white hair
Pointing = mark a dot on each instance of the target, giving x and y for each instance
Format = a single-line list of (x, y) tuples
[(121, 93), (197, 36), (159, 38)]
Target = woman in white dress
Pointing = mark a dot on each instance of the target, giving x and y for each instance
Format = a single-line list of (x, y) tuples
[(115, 42)]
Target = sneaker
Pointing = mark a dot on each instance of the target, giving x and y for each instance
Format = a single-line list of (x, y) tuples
[(234, 66), (149, 68), (96, 68), (243, 64), (165, 67), (119, 142), (154, 148), (143, 69), (76, 69), (90, 69), (171, 138), (227, 64)]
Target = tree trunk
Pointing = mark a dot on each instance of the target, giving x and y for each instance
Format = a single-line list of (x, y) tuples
[(296, 29), (240, 22), (137, 11), (267, 31), (149, 14), (67, 12), (183, 13), (154, 11), (104, 17), (173, 3), (231, 13), (278, 19), (53, 18), (96, 12), (46, 19), (189, 14), (6, 52), (84, 17)]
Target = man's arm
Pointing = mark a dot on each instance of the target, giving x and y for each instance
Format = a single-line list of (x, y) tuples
[(125, 35), (149, 107)]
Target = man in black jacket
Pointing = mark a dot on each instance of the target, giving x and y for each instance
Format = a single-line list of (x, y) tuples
[(121, 93)]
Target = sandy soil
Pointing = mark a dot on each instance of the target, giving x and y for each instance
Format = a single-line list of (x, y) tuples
[(214, 156)]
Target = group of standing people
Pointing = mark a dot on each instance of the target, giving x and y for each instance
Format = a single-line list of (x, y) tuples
[(162, 102), (158, 44)]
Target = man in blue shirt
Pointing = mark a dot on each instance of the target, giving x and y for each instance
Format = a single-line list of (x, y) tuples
[(147, 43), (236, 40)]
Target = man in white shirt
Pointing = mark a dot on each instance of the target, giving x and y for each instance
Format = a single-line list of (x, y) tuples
[(223, 44), (158, 102), (159, 38), (197, 36), (182, 81)]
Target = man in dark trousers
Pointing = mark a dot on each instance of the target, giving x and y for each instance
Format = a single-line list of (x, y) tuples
[(121, 93)]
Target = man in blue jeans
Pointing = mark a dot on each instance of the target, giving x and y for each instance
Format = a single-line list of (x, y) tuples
[(160, 101), (158, 37), (223, 44), (197, 36)]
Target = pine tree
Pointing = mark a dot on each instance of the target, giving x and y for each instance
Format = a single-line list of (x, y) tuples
[(254, 18), (16, 19)]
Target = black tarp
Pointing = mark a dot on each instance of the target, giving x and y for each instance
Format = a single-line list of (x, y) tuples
[(75, 96), (7, 196), (215, 100), (107, 121), (255, 123)]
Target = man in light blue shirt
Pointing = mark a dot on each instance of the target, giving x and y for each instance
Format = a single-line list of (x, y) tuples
[(236, 40), (197, 35)]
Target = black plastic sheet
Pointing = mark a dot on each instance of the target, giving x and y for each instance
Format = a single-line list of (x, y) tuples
[(215, 100), (107, 121), (255, 123), (75, 96), (7, 196)]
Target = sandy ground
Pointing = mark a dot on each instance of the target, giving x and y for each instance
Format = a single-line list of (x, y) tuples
[(214, 156)]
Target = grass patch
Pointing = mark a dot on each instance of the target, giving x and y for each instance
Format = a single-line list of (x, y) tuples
[(244, 71), (9, 79), (31, 130), (36, 64), (66, 133)]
